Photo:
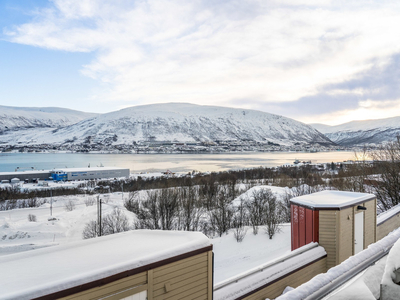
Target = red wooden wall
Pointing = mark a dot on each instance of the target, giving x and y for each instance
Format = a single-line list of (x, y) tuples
[(305, 225)]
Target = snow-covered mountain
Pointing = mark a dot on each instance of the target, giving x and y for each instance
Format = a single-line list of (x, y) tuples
[(362, 132), (190, 123), (12, 118), (176, 122)]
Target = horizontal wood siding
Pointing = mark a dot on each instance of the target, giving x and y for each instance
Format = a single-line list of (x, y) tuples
[(294, 280), (370, 223), (185, 279), (118, 286), (328, 234), (388, 226), (188, 278), (346, 238)]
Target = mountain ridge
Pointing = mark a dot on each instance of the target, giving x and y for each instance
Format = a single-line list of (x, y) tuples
[(374, 131), (177, 122)]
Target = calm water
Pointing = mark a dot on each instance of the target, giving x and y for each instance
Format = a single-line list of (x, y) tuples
[(161, 162)]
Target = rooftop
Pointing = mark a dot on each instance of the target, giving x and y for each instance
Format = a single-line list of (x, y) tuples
[(49, 270), (332, 199), (88, 169)]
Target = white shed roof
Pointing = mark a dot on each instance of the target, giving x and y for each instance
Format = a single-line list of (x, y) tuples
[(35, 273), (332, 199)]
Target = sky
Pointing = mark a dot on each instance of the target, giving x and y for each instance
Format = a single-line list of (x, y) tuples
[(316, 61)]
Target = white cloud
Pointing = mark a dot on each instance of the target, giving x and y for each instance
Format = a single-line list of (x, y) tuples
[(217, 52)]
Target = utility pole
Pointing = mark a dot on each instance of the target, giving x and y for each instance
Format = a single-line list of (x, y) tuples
[(122, 188), (51, 203), (99, 215)]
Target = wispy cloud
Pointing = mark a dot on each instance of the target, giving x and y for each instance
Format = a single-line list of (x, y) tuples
[(297, 58)]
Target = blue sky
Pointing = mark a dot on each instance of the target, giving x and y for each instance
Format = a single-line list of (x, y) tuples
[(314, 61)]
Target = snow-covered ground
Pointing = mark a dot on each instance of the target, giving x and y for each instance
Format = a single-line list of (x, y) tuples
[(232, 258), (18, 234)]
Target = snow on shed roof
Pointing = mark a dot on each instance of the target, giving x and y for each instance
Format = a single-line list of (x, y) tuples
[(332, 199), (35, 273)]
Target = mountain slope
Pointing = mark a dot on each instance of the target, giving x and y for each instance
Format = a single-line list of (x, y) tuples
[(362, 132), (12, 118), (179, 122)]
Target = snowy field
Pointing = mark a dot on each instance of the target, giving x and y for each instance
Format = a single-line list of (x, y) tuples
[(18, 234)]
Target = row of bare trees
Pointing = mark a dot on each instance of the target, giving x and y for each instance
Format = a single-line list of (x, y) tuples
[(212, 209)]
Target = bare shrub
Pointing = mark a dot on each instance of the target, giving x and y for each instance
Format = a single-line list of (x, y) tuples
[(69, 205), (112, 223), (32, 218), (90, 230), (115, 222), (239, 233), (32, 202), (89, 201)]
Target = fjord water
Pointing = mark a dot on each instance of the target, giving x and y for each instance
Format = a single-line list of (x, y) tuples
[(162, 162)]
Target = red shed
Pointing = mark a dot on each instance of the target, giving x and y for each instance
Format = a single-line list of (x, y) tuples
[(305, 225)]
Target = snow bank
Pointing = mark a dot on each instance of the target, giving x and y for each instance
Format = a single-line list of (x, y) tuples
[(249, 281), (382, 217), (44, 271), (341, 273), (390, 287)]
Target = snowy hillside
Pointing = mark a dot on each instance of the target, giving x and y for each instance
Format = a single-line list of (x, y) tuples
[(177, 122), (13, 118), (362, 132)]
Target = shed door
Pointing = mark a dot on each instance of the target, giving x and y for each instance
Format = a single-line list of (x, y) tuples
[(138, 296), (358, 232)]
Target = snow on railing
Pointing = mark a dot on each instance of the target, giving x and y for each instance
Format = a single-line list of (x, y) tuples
[(390, 288), (325, 283), (252, 279), (384, 216)]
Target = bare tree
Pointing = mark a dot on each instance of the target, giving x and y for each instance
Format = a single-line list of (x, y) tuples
[(168, 207), (284, 207), (387, 161), (272, 215), (256, 206), (239, 222), (221, 215), (190, 208)]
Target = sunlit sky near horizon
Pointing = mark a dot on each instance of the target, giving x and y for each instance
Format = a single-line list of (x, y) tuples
[(314, 61)]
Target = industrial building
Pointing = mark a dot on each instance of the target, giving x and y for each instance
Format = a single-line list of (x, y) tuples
[(66, 174), (28, 176), (88, 173)]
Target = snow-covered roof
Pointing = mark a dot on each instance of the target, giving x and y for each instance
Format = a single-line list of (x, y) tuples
[(332, 199), (35, 273), (87, 169), (386, 215), (255, 278), (20, 173)]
